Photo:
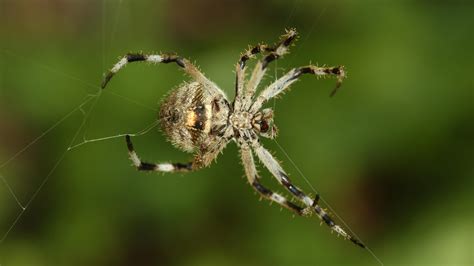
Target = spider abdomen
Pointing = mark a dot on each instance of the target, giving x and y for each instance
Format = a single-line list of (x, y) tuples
[(189, 115)]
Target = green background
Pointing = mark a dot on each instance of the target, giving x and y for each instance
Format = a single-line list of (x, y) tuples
[(392, 152)]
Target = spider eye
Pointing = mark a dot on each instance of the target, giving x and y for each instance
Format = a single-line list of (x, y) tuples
[(264, 126)]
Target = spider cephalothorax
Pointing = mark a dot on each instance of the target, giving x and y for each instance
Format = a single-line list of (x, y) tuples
[(197, 117)]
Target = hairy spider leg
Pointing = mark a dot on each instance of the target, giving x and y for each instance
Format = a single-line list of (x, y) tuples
[(245, 93), (277, 171), (261, 66), (156, 167), (291, 76), (252, 177), (241, 69), (187, 66)]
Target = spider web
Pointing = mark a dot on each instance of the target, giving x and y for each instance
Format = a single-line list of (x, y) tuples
[(86, 109)]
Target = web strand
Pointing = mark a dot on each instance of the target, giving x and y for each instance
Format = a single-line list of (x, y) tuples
[(114, 27), (37, 64), (53, 169), (46, 132), (9, 188), (109, 91), (325, 202), (21, 151), (139, 133), (102, 47)]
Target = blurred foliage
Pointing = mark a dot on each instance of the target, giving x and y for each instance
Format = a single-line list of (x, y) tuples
[(392, 152)]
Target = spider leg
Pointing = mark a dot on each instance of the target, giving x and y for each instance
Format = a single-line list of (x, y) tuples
[(187, 66), (157, 167), (252, 177), (241, 68), (260, 68), (277, 171), (208, 153), (285, 81)]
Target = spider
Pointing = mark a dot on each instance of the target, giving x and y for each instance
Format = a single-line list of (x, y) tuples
[(197, 117)]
